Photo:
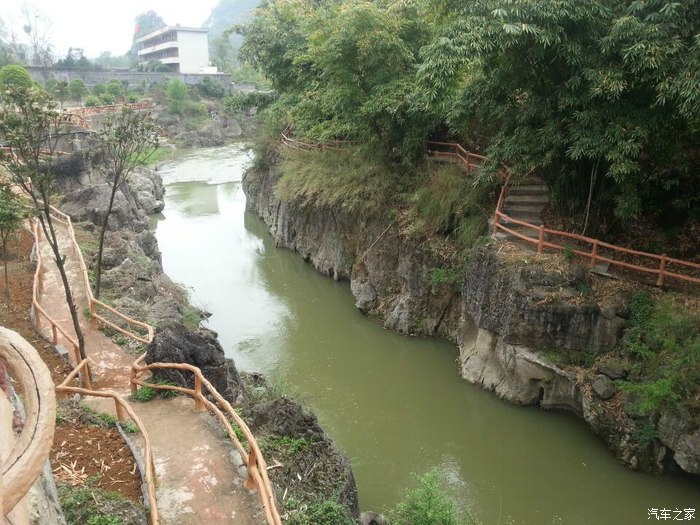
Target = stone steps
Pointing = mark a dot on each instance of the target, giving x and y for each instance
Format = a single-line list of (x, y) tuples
[(525, 202)]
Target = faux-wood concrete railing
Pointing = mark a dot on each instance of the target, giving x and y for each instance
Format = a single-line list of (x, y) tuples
[(25, 460), (256, 465), (93, 303), (38, 310), (123, 410)]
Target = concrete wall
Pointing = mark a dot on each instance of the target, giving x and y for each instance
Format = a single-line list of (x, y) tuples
[(194, 51), (134, 78)]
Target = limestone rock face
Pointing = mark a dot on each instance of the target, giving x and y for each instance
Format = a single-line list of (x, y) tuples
[(677, 432), (512, 321), (175, 343)]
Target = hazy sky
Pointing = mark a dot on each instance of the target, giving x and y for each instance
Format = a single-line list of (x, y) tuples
[(101, 25)]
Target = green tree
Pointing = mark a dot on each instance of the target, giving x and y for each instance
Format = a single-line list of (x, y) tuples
[(126, 139), (60, 91), (28, 124), (12, 213), (115, 88), (177, 96), (14, 75), (599, 97), (77, 90)]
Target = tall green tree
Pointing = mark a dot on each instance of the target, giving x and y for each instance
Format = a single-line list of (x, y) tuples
[(177, 95), (29, 121), (12, 213), (598, 97), (77, 90), (126, 139)]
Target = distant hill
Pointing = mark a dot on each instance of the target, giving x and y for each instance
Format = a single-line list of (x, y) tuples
[(226, 14)]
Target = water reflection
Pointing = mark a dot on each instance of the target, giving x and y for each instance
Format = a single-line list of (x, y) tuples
[(394, 404)]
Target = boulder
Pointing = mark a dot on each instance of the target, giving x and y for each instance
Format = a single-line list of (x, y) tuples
[(613, 370), (372, 518), (604, 387), (176, 343)]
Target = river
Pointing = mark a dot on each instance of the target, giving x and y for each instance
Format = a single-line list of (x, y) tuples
[(394, 404)]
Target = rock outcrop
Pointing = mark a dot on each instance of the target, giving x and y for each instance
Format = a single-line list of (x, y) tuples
[(513, 319), (175, 343)]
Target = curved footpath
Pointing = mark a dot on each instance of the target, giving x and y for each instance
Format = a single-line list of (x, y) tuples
[(200, 476)]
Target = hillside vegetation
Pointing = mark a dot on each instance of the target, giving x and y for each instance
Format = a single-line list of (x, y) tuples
[(601, 99)]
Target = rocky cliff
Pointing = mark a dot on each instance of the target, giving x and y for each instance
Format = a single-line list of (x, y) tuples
[(133, 281), (520, 321)]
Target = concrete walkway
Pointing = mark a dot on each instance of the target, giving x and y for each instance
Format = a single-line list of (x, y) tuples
[(199, 473)]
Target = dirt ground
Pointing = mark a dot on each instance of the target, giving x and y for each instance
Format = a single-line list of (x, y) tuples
[(85, 448)]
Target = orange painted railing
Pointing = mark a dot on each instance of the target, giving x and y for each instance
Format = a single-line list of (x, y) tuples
[(288, 141), (452, 150), (26, 454), (661, 266), (93, 303), (123, 410), (257, 467)]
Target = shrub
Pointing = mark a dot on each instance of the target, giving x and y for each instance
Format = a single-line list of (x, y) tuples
[(428, 504), (664, 341), (14, 75), (92, 101), (211, 88), (177, 95), (107, 99)]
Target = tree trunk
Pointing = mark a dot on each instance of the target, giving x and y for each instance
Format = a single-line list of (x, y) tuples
[(7, 281), (594, 176), (103, 229)]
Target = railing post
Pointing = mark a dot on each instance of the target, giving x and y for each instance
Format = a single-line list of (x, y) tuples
[(594, 253), (87, 382), (199, 405), (662, 269), (93, 313), (132, 381), (540, 240), (121, 415), (252, 464)]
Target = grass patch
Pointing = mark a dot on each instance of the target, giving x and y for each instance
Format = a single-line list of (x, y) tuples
[(144, 394), (350, 179), (285, 446), (316, 512), (90, 506)]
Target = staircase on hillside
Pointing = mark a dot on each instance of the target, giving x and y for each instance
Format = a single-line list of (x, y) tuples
[(524, 202)]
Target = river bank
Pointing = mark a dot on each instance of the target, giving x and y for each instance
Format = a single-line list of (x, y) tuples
[(134, 282), (519, 321)]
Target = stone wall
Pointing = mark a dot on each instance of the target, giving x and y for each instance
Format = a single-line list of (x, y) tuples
[(133, 78)]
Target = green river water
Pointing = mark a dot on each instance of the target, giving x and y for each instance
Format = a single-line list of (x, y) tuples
[(395, 405)]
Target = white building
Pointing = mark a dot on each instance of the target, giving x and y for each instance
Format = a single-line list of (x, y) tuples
[(182, 49)]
